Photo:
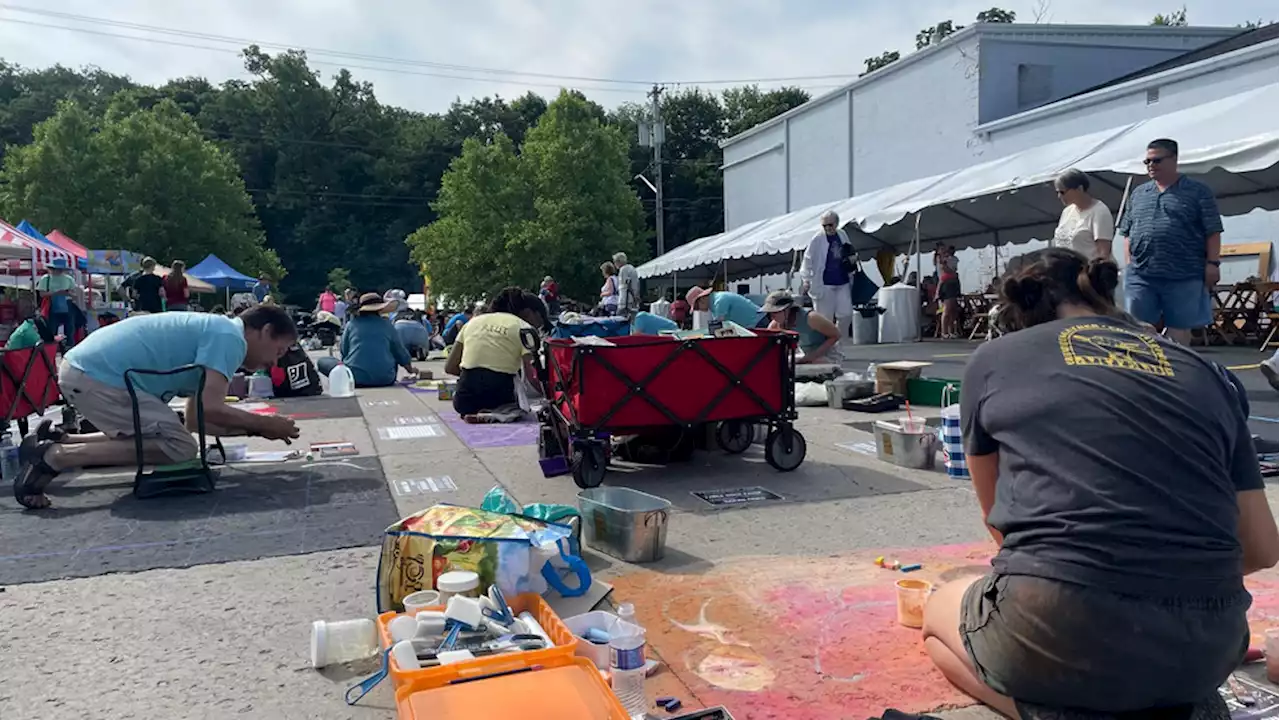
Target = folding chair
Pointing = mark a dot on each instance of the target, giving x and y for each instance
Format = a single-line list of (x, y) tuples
[(191, 476)]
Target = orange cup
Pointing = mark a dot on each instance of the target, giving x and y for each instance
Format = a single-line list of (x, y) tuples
[(912, 595)]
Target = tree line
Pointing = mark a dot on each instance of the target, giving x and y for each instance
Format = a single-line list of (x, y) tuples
[(314, 181)]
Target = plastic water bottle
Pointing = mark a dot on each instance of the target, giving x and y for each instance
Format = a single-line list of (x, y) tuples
[(341, 382), (871, 372), (627, 613), (9, 465), (627, 672)]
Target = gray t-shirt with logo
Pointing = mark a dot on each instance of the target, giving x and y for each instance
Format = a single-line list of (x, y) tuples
[(1120, 458)]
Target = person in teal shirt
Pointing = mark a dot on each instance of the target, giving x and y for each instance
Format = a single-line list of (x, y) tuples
[(371, 347), (725, 306), (819, 337), (92, 379), (646, 323)]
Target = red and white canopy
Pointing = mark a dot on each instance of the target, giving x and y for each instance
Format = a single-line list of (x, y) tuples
[(44, 253)]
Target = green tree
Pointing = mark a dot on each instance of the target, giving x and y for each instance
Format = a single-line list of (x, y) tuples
[(997, 15), (143, 180), (339, 279), (879, 61), (936, 34), (1177, 18), (562, 206), (748, 106), (485, 210)]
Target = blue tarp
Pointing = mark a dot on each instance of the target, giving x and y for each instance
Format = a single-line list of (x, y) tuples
[(220, 275), (30, 231)]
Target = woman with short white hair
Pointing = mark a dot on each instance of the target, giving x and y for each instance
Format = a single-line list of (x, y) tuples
[(825, 272)]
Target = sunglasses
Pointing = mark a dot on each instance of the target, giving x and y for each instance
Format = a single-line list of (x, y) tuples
[(828, 225), (1155, 160)]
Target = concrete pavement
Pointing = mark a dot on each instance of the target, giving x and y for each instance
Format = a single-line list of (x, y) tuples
[(231, 640)]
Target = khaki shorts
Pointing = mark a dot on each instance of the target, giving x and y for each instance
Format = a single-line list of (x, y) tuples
[(111, 411)]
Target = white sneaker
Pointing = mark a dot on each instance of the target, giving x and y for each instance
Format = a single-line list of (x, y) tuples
[(1271, 370)]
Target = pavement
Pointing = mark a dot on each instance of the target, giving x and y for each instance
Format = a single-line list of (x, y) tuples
[(773, 608)]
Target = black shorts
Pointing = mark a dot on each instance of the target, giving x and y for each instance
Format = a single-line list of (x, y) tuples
[(481, 389), (949, 289), (1069, 646)]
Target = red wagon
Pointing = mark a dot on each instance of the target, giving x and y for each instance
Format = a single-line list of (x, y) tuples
[(642, 381)]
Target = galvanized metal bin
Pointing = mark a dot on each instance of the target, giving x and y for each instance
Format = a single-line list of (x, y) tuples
[(909, 450), (625, 523)]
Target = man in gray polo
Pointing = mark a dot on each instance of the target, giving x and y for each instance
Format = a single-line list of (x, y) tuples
[(1173, 241)]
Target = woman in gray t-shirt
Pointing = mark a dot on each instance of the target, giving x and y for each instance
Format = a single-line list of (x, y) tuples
[(1117, 474)]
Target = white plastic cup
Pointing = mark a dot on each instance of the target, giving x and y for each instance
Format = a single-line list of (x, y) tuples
[(342, 641), (421, 600), (912, 425)]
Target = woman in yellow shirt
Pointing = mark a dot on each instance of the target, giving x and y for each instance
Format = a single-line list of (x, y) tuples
[(488, 353)]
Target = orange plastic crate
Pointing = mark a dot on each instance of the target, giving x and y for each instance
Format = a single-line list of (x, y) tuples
[(427, 678), (558, 689)]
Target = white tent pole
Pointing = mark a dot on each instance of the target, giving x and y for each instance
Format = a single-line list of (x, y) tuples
[(919, 303)]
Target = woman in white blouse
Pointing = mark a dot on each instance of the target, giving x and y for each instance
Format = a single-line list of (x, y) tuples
[(1086, 225)]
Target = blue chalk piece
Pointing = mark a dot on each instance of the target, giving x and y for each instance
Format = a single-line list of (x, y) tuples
[(664, 700), (910, 568), (672, 706)]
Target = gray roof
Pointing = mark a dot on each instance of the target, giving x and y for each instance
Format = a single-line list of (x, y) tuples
[(1045, 31)]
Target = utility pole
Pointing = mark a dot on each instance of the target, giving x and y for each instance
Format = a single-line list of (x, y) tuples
[(657, 134)]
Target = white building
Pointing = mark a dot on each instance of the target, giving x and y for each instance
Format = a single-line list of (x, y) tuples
[(985, 92)]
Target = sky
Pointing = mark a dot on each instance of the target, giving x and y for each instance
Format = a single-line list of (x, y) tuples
[(424, 54)]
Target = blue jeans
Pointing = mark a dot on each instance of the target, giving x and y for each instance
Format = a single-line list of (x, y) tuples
[(1181, 304)]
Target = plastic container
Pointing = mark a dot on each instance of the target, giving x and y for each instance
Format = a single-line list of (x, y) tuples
[(423, 599), (432, 677), (627, 672), (866, 325), (932, 392), (341, 382), (456, 582), (260, 386), (625, 523), (565, 688), (912, 595), (910, 450), (900, 321), (607, 622), (342, 641)]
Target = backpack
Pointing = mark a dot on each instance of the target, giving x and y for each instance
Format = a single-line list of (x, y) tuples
[(294, 375)]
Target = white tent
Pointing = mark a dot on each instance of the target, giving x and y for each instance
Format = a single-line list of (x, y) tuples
[(1232, 144)]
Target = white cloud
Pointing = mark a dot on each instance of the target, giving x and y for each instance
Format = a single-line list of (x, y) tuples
[(664, 40)]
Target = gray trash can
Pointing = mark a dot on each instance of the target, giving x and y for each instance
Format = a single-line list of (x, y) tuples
[(866, 324)]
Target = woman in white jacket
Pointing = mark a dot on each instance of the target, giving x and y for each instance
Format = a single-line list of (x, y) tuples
[(825, 272)]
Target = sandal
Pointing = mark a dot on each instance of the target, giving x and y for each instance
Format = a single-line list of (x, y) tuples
[(45, 431), (34, 475)]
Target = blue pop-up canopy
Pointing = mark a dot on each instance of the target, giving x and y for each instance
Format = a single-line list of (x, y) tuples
[(220, 275), (31, 231)]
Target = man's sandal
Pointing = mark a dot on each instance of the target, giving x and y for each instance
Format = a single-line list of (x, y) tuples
[(34, 474), (46, 431)]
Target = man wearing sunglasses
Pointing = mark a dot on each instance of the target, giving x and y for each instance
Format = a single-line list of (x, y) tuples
[(1173, 242)]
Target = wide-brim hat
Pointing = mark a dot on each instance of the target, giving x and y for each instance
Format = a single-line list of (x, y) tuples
[(373, 304), (778, 301), (695, 294)]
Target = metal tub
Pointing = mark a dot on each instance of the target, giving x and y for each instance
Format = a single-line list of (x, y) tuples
[(625, 523)]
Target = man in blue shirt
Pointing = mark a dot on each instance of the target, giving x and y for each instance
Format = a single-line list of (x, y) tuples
[(92, 379), (725, 306), (1173, 245), (454, 326), (262, 288)]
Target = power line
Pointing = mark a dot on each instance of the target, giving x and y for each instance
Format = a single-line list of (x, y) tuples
[(383, 58)]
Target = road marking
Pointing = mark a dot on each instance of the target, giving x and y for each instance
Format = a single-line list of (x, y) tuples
[(953, 355), (1264, 419), (1244, 367)]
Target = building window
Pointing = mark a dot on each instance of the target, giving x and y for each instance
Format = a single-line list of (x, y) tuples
[(1035, 85), (1153, 95)]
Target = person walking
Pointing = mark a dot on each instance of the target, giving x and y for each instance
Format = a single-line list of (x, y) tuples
[(824, 272), (63, 292), (1086, 224), (1172, 234), (146, 288), (628, 285)]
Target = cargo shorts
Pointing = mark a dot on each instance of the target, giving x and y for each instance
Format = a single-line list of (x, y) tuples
[(110, 409)]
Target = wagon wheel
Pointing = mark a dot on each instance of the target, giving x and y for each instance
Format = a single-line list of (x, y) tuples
[(735, 436), (589, 466), (785, 448)]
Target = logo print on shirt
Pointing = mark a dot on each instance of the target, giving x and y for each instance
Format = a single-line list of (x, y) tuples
[(298, 376), (1109, 346)]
